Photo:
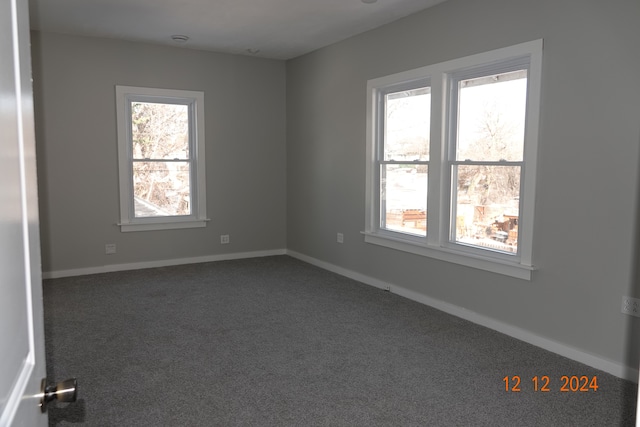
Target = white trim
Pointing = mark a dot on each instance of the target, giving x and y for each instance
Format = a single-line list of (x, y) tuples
[(573, 353), (474, 259), (163, 225), (195, 102), (161, 263), (437, 242)]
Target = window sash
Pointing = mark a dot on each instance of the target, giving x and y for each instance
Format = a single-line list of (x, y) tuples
[(193, 172), (518, 64), (393, 218), (380, 215), (454, 214), (151, 175)]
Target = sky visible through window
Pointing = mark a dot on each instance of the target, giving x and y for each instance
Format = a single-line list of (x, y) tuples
[(498, 108)]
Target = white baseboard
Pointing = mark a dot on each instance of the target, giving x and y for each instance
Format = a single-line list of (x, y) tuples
[(573, 353), (162, 263)]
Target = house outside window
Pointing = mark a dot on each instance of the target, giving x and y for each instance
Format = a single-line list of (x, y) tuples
[(451, 159), (161, 158)]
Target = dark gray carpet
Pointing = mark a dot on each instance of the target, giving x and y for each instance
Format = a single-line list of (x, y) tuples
[(277, 342)]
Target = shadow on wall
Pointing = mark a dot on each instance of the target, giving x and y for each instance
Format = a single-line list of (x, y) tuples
[(40, 119), (632, 352)]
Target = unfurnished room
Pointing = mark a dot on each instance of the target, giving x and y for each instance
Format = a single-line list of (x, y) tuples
[(345, 213)]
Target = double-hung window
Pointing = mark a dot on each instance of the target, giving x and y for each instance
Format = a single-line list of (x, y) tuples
[(404, 156), (161, 158), (451, 159)]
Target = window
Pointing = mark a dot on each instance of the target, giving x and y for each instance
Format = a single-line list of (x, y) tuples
[(405, 157), (161, 158), (451, 164)]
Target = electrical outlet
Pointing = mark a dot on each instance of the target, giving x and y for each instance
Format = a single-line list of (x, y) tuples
[(340, 238), (110, 248), (224, 239), (631, 306)]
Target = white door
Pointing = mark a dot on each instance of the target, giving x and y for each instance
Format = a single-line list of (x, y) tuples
[(22, 360)]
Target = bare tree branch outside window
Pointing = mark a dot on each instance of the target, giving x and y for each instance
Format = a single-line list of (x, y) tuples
[(161, 175)]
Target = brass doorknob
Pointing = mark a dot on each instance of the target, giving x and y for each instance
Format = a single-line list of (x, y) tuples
[(63, 391)]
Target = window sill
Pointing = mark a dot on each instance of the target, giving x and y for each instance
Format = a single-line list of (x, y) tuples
[(162, 224), (495, 265)]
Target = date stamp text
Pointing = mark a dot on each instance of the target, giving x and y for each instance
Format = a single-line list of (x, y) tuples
[(545, 384)]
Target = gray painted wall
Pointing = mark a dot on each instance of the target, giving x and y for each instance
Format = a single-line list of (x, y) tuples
[(74, 83), (586, 213)]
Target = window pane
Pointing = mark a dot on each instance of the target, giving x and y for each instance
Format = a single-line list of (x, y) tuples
[(407, 122), (486, 202), (403, 198), (491, 116), (161, 189), (160, 131)]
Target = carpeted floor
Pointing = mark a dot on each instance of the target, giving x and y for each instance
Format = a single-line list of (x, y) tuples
[(277, 342)]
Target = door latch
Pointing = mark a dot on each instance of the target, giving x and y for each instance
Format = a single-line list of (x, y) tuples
[(63, 391)]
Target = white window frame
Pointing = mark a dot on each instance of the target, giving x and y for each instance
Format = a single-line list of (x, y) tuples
[(437, 243), (125, 95)]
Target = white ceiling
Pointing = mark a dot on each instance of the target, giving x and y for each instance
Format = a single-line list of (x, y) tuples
[(280, 29)]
